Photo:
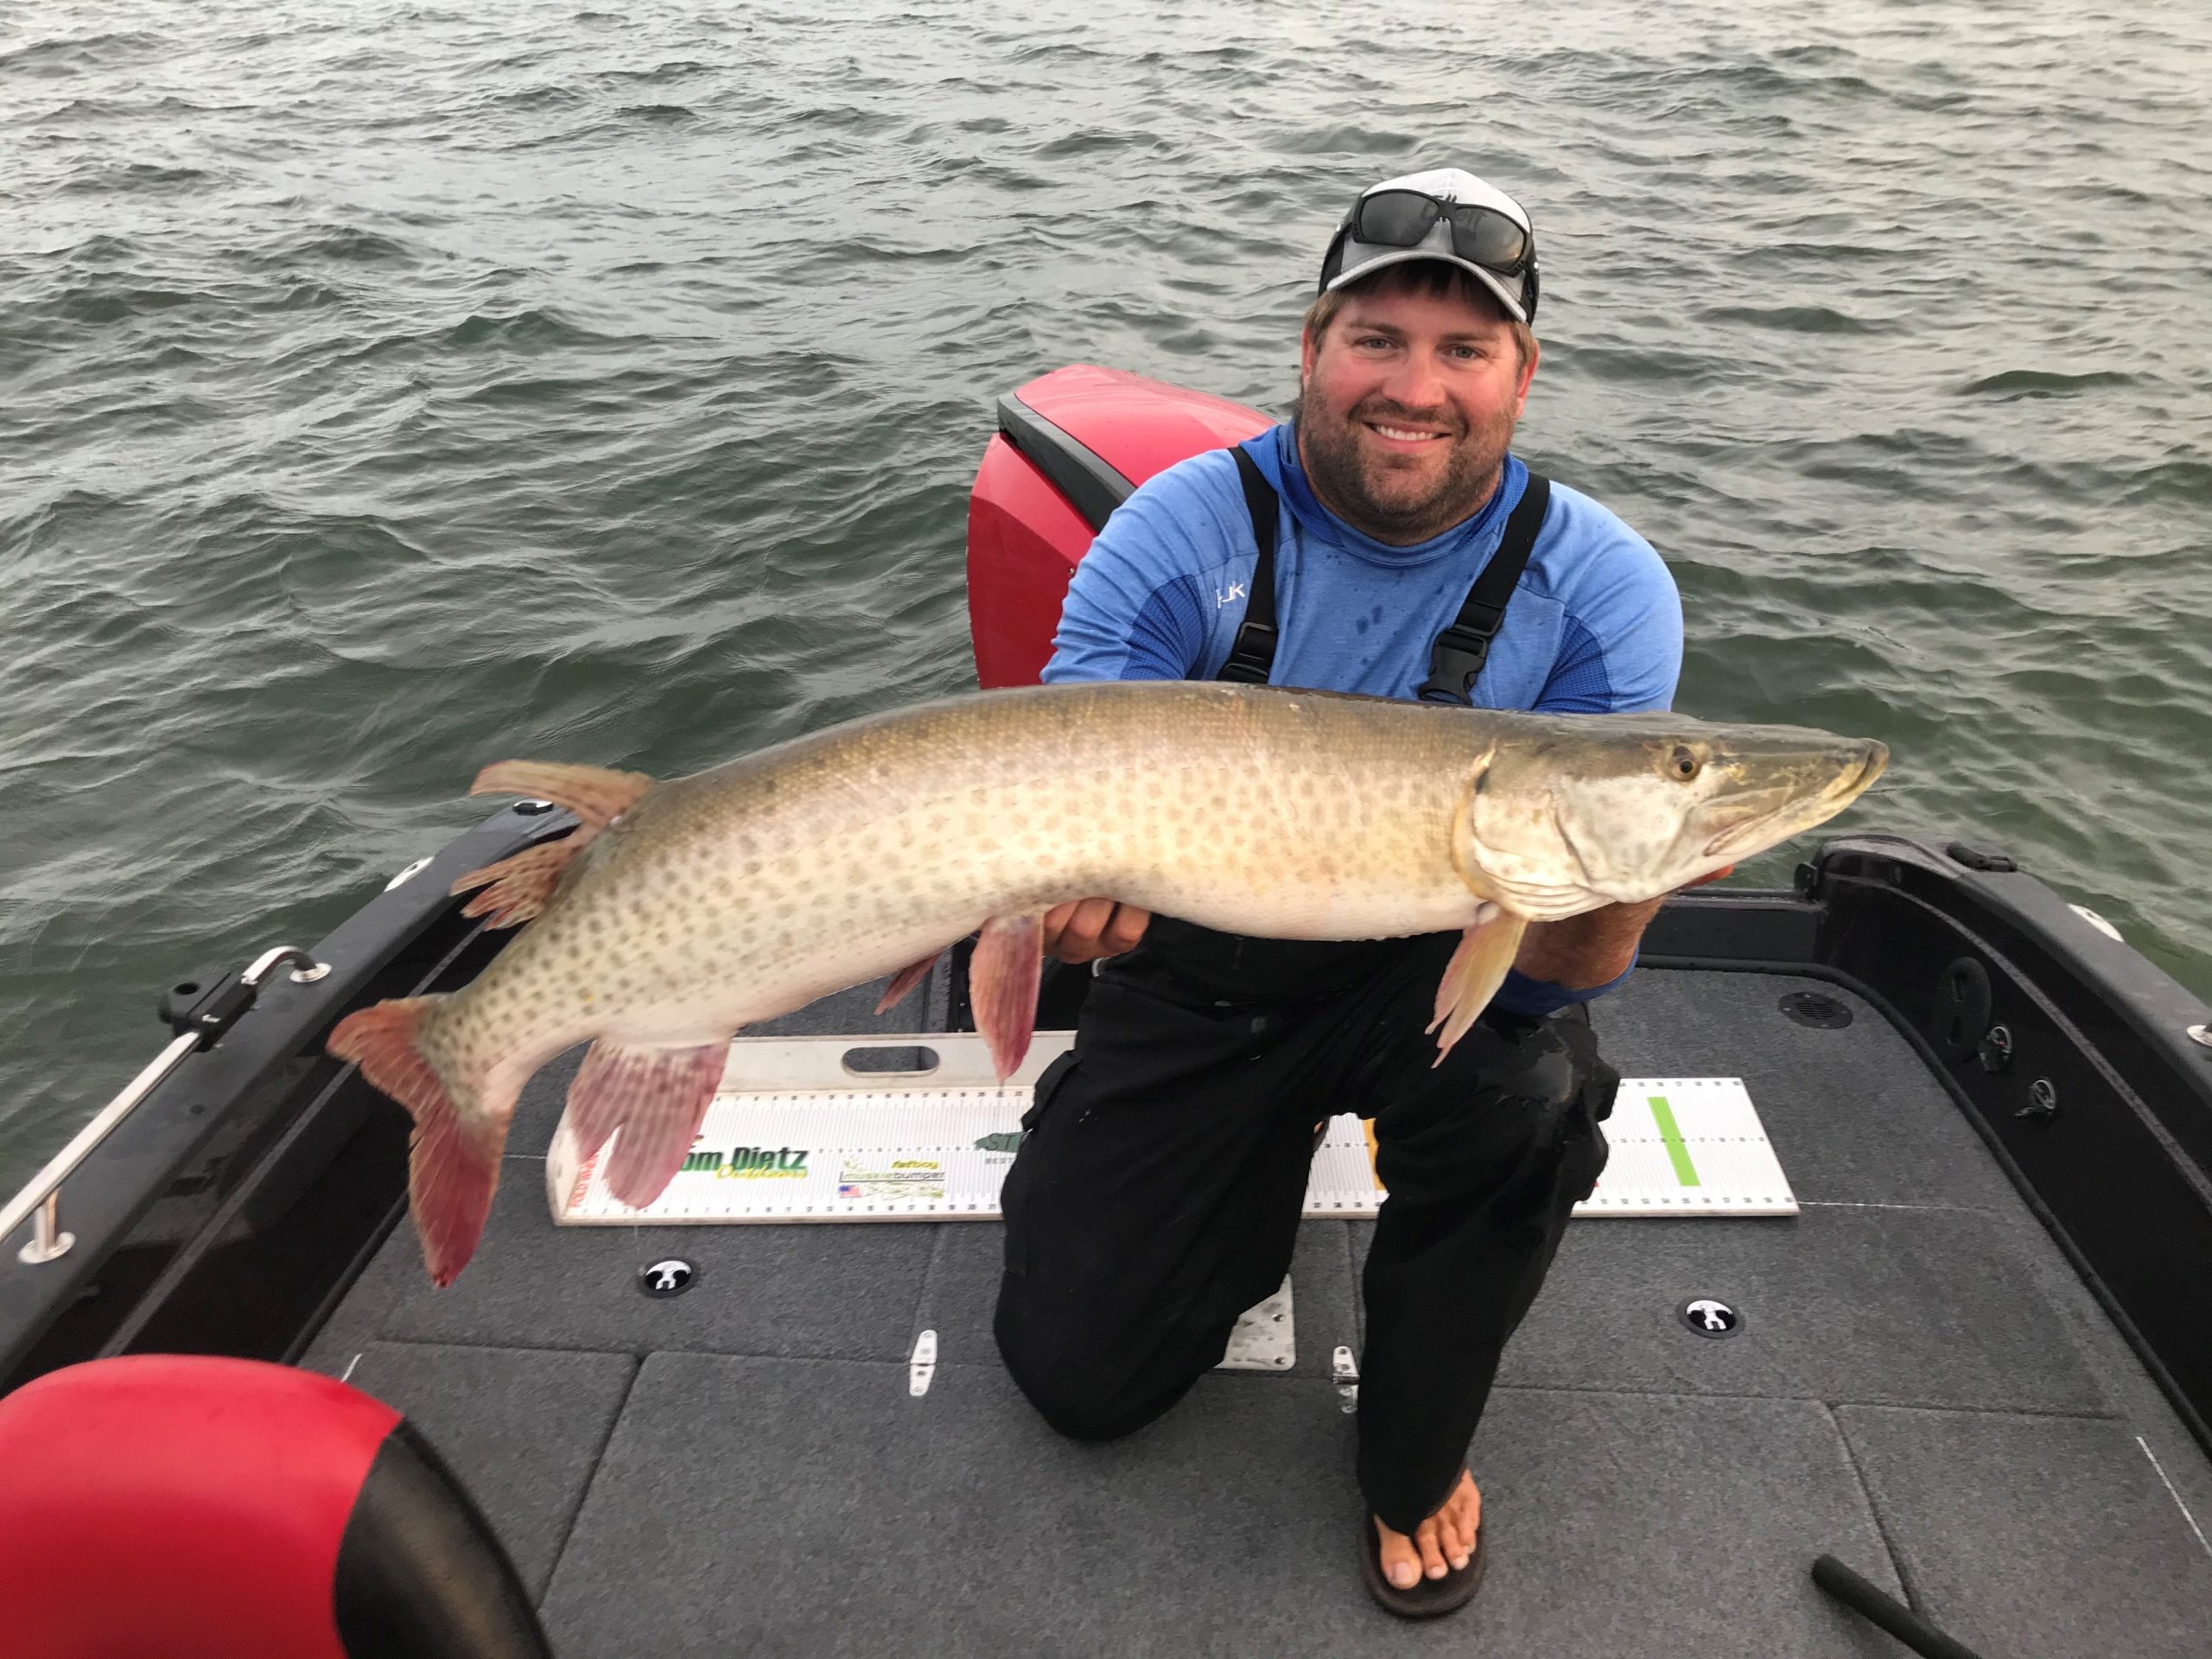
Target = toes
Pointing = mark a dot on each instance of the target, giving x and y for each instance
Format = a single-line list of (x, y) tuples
[(1400, 1563), (1456, 1541), (1432, 1557), (1462, 1517)]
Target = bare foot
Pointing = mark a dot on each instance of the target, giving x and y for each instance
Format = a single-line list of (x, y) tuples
[(1441, 1544)]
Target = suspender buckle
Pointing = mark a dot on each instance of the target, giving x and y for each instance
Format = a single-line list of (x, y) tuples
[(1455, 662), (1254, 655)]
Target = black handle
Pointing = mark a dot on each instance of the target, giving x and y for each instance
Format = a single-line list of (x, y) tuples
[(1893, 1616)]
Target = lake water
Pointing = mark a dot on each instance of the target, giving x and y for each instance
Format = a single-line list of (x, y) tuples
[(392, 390)]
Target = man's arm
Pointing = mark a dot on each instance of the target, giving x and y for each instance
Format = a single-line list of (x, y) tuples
[(1594, 949), (1584, 951)]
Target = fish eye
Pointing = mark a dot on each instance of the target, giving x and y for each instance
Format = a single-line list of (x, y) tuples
[(1683, 764)]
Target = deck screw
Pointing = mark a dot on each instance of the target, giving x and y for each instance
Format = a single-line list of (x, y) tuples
[(2201, 1035), (1995, 1053)]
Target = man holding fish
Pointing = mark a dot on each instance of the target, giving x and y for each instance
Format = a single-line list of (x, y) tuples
[(1352, 881), (1158, 1192)]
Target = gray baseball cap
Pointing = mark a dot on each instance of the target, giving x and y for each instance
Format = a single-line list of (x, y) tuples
[(1447, 213)]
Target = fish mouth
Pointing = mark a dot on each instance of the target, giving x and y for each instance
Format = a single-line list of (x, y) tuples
[(1849, 786), (1765, 828)]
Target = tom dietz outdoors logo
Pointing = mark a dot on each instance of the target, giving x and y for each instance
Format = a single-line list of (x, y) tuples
[(750, 1164)]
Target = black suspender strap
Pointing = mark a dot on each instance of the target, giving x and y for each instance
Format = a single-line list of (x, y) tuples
[(1253, 654), (1456, 660)]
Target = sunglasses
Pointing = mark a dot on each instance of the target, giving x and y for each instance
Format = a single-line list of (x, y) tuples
[(1403, 219), (1482, 236)]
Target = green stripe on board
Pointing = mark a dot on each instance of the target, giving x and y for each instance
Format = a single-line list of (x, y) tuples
[(1679, 1154)]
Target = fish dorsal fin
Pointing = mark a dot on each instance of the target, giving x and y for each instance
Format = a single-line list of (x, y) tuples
[(518, 888), (593, 793)]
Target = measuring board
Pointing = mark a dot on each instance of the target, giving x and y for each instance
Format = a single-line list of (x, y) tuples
[(797, 1135)]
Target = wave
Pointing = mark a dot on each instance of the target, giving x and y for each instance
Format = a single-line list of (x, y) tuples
[(539, 328), (342, 244), (2015, 383), (1793, 319), (87, 54), (679, 69), (135, 177)]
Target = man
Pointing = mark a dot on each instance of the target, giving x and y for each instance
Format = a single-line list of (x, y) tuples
[(1158, 1191)]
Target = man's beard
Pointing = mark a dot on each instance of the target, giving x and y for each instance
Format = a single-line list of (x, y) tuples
[(1330, 451)]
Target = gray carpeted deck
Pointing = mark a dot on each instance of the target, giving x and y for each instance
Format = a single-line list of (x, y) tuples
[(1923, 1386)]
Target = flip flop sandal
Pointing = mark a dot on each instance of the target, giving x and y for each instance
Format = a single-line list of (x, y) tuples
[(1431, 1598)]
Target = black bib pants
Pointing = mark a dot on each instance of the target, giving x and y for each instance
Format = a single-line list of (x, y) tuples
[(1158, 1191)]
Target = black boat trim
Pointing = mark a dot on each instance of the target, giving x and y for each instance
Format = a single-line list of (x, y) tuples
[(1093, 488), (235, 1131)]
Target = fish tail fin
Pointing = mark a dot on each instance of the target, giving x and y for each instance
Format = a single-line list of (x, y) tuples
[(453, 1158), (657, 1098), (516, 889)]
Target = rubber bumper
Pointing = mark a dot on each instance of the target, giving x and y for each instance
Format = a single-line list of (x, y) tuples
[(203, 1507)]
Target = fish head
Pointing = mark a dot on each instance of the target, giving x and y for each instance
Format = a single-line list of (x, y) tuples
[(1594, 810)]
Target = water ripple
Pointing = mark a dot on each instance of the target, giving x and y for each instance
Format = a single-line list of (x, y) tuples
[(398, 390)]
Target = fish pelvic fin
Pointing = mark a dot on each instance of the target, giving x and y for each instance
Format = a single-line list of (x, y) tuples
[(516, 889), (1478, 968), (656, 1098), (452, 1157), (904, 980), (1002, 979)]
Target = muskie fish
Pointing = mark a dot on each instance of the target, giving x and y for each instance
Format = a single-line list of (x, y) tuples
[(679, 912)]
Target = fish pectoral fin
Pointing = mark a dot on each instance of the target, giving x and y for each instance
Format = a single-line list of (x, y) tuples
[(1002, 980), (518, 887), (904, 980), (593, 793), (656, 1098), (453, 1158), (1478, 968)]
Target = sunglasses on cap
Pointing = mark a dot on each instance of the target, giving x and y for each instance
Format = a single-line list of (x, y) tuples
[(1403, 219)]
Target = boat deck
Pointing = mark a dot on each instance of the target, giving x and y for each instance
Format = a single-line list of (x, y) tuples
[(1922, 1386)]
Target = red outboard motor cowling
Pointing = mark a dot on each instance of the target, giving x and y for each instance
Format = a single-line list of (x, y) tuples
[(195, 1508), (1070, 447)]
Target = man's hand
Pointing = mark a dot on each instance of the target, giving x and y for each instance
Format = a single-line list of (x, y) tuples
[(1594, 947), (1084, 930)]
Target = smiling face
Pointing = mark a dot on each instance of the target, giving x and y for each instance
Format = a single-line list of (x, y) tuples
[(1409, 396)]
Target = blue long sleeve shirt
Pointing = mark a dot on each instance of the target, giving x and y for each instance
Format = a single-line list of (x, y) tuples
[(1594, 627)]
